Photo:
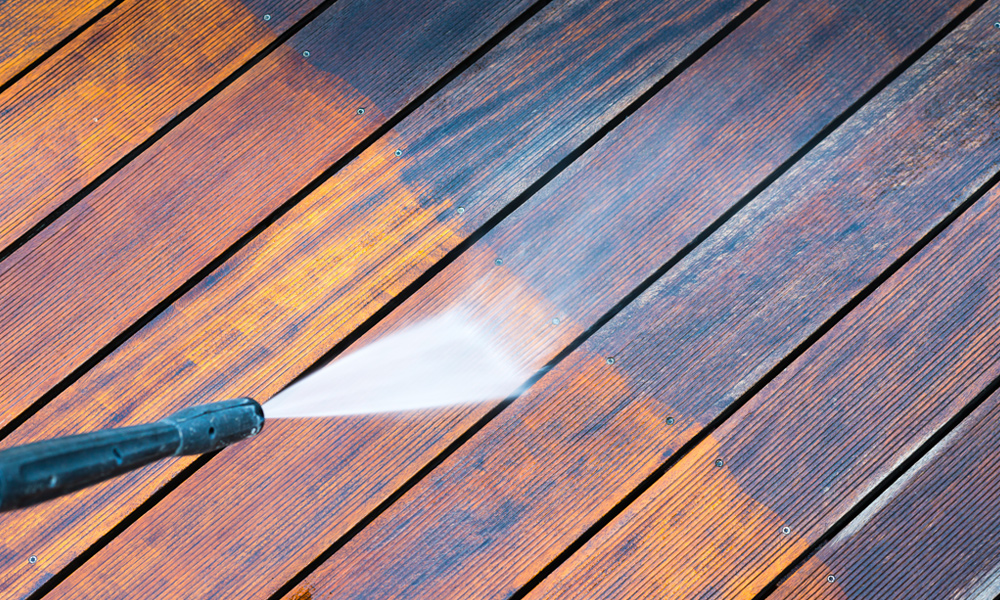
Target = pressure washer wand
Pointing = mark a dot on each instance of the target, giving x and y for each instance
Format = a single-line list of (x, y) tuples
[(40, 471)]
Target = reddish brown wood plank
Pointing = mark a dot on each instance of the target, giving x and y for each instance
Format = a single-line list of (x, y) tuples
[(828, 429), (106, 92), (932, 534), (254, 324), (323, 477), (153, 225), (33, 27), (538, 476)]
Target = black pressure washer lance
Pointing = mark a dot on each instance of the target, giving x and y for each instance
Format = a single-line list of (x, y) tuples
[(40, 471)]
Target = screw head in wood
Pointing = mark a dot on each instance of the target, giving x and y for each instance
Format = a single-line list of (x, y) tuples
[(32, 559), (786, 530), (361, 111), (460, 210), (399, 152), (306, 54), (831, 578), (718, 462), (555, 321), (498, 262), (611, 360), (267, 17), (670, 421)]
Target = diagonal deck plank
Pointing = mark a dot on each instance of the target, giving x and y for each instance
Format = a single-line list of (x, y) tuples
[(932, 534), (828, 429), (251, 327), (536, 478), (278, 465), (103, 265), (813, 442), (31, 28), (104, 94)]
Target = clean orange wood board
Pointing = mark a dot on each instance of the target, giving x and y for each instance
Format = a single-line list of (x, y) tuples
[(31, 28), (154, 224), (106, 92)]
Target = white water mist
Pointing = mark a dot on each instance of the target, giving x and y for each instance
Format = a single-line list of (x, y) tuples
[(439, 362)]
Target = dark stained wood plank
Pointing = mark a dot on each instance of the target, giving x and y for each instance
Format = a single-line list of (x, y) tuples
[(932, 534), (33, 27), (829, 428), (303, 285), (154, 224), (303, 484), (538, 476), (105, 93)]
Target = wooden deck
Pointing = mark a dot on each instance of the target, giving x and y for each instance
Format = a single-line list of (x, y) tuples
[(751, 249)]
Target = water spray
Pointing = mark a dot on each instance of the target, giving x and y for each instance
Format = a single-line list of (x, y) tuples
[(43, 470)]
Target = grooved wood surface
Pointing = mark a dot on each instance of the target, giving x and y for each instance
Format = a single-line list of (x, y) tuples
[(167, 214), (767, 283), (685, 350), (33, 27), (111, 88), (889, 551)]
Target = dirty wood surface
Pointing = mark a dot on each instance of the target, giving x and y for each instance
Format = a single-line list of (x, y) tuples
[(757, 235)]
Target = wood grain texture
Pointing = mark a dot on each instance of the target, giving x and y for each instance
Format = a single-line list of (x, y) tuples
[(821, 435), (830, 427), (111, 258), (324, 476), (541, 473), (110, 89), (314, 276), (932, 534), (33, 27)]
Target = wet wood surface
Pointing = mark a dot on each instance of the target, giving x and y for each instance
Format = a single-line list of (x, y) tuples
[(707, 434), (155, 223), (101, 96), (32, 28)]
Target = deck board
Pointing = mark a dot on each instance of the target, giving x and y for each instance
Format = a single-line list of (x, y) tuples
[(890, 551), (32, 28), (104, 94), (682, 188)]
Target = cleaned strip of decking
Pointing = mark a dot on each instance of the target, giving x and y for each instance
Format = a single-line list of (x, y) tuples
[(932, 534), (330, 474), (834, 424), (537, 477), (33, 27), (307, 282), (167, 214), (106, 92)]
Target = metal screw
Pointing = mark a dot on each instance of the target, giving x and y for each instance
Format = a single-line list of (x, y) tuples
[(306, 54), (399, 152), (670, 421), (786, 530), (460, 210), (267, 17), (831, 578), (611, 360), (32, 559), (361, 111), (555, 321), (997, 24), (718, 462), (498, 262)]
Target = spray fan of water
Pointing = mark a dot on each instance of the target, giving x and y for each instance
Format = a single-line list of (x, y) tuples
[(443, 361)]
